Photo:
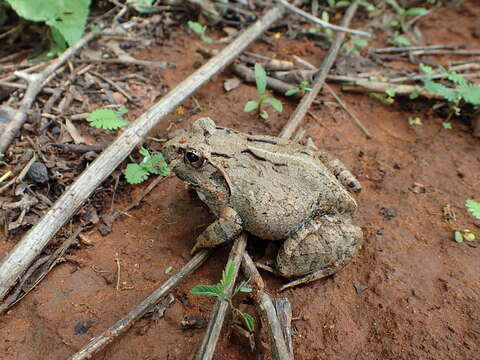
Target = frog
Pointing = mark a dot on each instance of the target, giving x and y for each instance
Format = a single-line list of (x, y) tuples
[(274, 189)]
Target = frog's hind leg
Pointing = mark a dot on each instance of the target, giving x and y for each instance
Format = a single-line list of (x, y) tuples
[(340, 171), (318, 249)]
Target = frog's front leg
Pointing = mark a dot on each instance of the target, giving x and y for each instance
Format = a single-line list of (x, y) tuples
[(340, 171), (227, 227), (320, 248)]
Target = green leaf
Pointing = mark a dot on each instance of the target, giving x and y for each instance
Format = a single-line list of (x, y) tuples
[(206, 39), (440, 89), (369, 7), (414, 121), (381, 98), (106, 119), (196, 27), (416, 11), (292, 92), (325, 16), (168, 270), (207, 290), (447, 125), (135, 174), (250, 106), (264, 115), (158, 165), (276, 104), (260, 78), (228, 274), (331, 3), (473, 207), (399, 40), (390, 92), (359, 42), (470, 92), (142, 6), (458, 236), (426, 69), (249, 321), (343, 3), (68, 17), (395, 6)]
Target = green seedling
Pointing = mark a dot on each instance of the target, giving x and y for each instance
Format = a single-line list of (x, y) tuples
[(301, 89), (152, 163), (403, 14), (261, 82), (352, 46), (468, 235), (447, 125), (389, 99), (318, 29), (142, 6), (220, 291), (456, 90), (200, 30), (168, 270), (398, 40), (108, 119)]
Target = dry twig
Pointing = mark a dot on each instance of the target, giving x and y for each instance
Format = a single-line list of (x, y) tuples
[(343, 28)]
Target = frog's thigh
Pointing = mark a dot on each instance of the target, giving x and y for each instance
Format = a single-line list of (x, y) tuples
[(319, 244)]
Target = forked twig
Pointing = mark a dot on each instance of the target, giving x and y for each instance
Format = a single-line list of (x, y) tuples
[(210, 339), (97, 344)]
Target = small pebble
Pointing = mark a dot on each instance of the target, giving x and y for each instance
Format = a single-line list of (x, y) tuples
[(38, 172)]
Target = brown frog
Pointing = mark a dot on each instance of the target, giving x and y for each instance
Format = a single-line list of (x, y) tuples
[(274, 189)]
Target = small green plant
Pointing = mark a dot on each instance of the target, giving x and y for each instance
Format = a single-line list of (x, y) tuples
[(352, 46), (200, 30), (398, 40), (301, 89), (66, 18), (458, 91), (474, 208), (108, 119), (468, 235), (447, 125), (389, 99), (318, 29), (261, 82), (220, 291), (403, 14), (152, 163)]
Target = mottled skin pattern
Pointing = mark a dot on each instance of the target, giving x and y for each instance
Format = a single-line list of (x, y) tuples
[(274, 189)]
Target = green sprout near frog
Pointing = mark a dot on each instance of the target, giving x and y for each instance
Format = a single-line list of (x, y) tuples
[(468, 235), (301, 89), (263, 98), (220, 291)]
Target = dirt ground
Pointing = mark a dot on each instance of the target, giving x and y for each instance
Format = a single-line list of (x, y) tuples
[(410, 293)]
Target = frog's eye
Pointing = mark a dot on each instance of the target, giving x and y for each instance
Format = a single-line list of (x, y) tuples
[(194, 159)]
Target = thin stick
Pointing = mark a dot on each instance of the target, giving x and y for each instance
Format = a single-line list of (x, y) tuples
[(446, 52), (267, 310), (283, 309), (33, 243), (391, 50), (352, 115), (308, 98), (36, 83), (209, 343), (121, 326), (343, 28)]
